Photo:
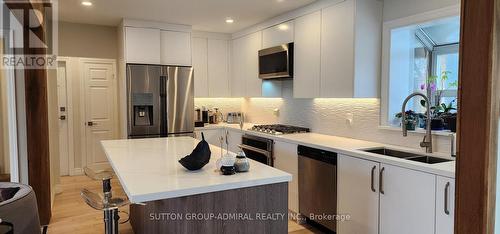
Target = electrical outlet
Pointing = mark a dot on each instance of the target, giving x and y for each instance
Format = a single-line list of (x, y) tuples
[(276, 112), (349, 118)]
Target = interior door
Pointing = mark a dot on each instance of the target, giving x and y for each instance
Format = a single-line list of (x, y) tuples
[(64, 136), (100, 108)]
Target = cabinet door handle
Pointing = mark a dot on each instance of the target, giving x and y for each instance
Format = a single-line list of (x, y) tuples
[(373, 178), (381, 182), (446, 192)]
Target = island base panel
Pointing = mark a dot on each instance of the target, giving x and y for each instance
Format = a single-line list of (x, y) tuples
[(259, 209)]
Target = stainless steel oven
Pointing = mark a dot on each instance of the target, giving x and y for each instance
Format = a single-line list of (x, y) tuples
[(276, 62), (258, 148)]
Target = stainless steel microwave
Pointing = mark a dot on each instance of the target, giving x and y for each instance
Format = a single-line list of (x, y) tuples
[(276, 62)]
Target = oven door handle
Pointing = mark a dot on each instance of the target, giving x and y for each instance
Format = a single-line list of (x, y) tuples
[(260, 151)]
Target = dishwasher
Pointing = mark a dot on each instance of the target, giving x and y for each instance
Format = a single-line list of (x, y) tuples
[(318, 186)]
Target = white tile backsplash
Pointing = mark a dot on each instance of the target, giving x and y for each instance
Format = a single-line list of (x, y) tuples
[(325, 116)]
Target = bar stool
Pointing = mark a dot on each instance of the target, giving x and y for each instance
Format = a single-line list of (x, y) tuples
[(105, 202)]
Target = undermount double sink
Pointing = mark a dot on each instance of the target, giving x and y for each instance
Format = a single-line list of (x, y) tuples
[(407, 155)]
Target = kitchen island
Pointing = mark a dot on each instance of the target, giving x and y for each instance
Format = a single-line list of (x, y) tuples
[(170, 199)]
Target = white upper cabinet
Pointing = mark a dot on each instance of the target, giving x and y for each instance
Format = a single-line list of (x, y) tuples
[(253, 43), (218, 68), (175, 48), (307, 55), (142, 45), (238, 68), (337, 57), (274, 36), (278, 34), (200, 66), (156, 43), (407, 201), (245, 73), (211, 67), (350, 49), (445, 205), (337, 53)]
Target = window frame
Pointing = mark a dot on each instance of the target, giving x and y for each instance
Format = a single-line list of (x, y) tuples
[(387, 27), (441, 50)]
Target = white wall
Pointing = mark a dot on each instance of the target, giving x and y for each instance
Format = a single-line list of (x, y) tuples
[(87, 40), (394, 9)]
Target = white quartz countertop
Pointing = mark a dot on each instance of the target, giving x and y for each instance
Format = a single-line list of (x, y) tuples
[(351, 147), (148, 169)]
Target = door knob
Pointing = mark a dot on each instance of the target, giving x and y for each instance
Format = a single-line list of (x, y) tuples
[(62, 117), (90, 123)]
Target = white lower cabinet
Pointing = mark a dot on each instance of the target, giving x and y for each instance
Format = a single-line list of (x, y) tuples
[(234, 139), (286, 159), (445, 205), (387, 199), (212, 136), (407, 201), (357, 195)]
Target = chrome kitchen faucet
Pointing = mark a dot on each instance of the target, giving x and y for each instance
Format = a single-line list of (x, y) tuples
[(427, 141)]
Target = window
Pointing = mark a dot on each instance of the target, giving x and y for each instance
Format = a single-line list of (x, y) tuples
[(421, 58)]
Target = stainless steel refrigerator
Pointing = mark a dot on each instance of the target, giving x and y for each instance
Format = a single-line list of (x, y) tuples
[(160, 101)]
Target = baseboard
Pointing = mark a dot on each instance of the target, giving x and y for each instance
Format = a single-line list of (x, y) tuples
[(75, 171), (296, 217), (58, 189)]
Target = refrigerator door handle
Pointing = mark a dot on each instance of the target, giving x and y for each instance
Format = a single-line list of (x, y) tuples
[(163, 106)]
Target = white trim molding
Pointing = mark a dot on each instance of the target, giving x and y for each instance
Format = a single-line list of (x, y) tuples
[(70, 111), (156, 25), (12, 125), (313, 7)]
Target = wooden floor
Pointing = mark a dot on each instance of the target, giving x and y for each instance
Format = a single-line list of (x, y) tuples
[(70, 214)]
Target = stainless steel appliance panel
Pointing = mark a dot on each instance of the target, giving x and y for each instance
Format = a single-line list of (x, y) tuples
[(258, 148), (143, 89), (180, 99), (318, 184), (276, 62)]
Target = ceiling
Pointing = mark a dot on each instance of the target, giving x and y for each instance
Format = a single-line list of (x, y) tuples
[(204, 15)]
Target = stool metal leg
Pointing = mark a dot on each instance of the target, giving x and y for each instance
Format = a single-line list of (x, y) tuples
[(111, 221), (108, 204)]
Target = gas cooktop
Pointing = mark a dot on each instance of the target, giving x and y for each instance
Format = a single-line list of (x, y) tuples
[(278, 129)]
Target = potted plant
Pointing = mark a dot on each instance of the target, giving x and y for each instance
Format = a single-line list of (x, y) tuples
[(449, 116), (437, 108), (412, 118)]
